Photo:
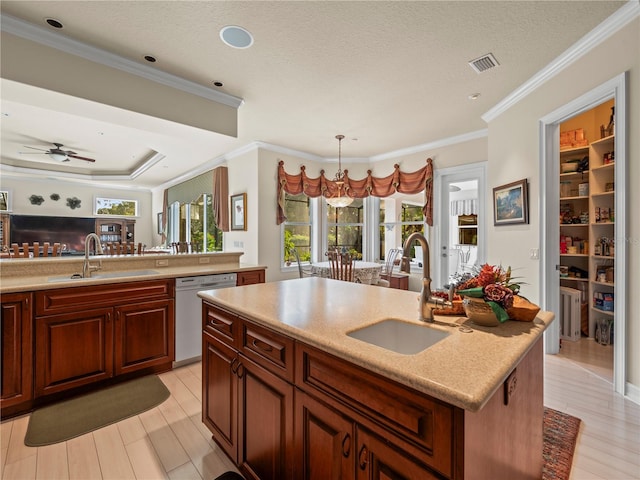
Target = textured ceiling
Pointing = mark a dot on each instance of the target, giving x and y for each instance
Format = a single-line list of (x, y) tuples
[(394, 75)]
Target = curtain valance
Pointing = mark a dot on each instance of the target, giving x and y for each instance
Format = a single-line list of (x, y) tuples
[(464, 207), (401, 182)]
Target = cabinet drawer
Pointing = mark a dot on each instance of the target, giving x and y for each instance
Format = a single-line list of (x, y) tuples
[(269, 349), (249, 277), (425, 423), (220, 323), (63, 300)]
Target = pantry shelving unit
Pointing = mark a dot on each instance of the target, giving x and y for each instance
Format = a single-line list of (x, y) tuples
[(587, 228), (602, 231)]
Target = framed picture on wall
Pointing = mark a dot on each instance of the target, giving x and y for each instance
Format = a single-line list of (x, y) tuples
[(239, 211), (510, 203), (5, 201)]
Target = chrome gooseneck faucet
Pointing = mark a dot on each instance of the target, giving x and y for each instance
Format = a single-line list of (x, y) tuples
[(427, 301), (87, 268)]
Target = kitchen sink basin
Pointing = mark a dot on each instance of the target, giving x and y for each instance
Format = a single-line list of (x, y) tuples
[(77, 276), (399, 336)]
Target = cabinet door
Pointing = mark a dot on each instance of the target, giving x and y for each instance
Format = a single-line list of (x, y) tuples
[(265, 442), (16, 362), (378, 459), (144, 335), (220, 393), (73, 349), (249, 277), (324, 441)]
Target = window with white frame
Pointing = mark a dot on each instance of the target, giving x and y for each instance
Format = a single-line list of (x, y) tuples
[(345, 227), (297, 231), (400, 216)]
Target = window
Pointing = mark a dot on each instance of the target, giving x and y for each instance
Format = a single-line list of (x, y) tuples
[(297, 227), (193, 222), (116, 207), (345, 226), (400, 216)]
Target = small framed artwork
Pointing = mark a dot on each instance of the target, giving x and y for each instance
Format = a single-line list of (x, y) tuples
[(239, 211), (116, 207), (510, 203), (5, 201), (160, 224)]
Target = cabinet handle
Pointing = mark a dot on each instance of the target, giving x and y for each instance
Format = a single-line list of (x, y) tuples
[(234, 367), (265, 347), (240, 370), (363, 457), (346, 445)]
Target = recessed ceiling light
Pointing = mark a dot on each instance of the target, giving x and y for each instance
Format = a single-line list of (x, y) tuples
[(218, 84), (474, 96), (236, 37), (54, 23), (150, 58)]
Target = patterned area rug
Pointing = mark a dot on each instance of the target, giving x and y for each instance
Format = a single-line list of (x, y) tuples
[(560, 436)]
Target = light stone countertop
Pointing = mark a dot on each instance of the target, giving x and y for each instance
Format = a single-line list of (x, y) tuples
[(25, 275), (464, 369)]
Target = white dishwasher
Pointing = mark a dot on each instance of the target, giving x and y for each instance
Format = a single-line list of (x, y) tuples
[(189, 313)]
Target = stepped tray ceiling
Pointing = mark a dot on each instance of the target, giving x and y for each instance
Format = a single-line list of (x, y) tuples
[(393, 75)]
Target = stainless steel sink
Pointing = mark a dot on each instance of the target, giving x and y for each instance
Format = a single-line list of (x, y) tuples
[(399, 336), (76, 276)]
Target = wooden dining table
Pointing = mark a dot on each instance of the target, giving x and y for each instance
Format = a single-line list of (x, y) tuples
[(363, 272)]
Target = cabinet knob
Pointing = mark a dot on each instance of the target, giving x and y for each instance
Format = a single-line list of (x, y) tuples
[(262, 345), (346, 445), (363, 457)]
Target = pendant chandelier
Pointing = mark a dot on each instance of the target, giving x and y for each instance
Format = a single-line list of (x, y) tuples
[(339, 198)]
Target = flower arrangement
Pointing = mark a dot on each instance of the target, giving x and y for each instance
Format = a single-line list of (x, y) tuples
[(494, 285)]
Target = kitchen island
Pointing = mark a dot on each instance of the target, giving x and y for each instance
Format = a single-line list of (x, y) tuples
[(285, 386)]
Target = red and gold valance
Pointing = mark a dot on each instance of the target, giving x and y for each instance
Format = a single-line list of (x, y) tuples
[(402, 182)]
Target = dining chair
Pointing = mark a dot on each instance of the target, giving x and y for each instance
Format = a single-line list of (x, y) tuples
[(389, 265), (341, 265), (302, 272)]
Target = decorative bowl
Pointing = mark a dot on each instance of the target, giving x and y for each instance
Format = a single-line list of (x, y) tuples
[(479, 312)]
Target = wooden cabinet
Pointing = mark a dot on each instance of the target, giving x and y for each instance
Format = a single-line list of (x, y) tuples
[(249, 277), (248, 406), (88, 334), (5, 234), (420, 427), (16, 352), (115, 230), (144, 335)]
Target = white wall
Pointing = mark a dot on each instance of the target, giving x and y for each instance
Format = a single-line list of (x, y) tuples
[(514, 154), (22, 188)]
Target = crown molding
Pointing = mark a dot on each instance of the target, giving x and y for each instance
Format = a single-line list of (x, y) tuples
[(34, 33), (40, 175), (444, 142), (625, 14)]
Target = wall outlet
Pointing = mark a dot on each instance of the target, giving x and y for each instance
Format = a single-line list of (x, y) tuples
[(204, 260), (162, 263)]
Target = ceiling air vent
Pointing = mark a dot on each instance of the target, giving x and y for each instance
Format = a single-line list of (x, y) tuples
[(484, 63)]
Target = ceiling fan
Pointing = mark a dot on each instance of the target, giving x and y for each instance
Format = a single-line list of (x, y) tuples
[(58, 154)]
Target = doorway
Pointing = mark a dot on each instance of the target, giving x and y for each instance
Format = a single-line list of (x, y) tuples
[(613, 90), (459, 232)]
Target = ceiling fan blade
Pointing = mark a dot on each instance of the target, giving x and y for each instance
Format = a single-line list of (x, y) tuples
[(81, 158), (33, 153), (41, 149)]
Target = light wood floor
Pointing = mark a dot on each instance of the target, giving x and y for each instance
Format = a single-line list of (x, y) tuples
[(170, 442)]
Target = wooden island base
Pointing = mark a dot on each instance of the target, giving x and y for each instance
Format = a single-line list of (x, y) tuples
[(282, 409)]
